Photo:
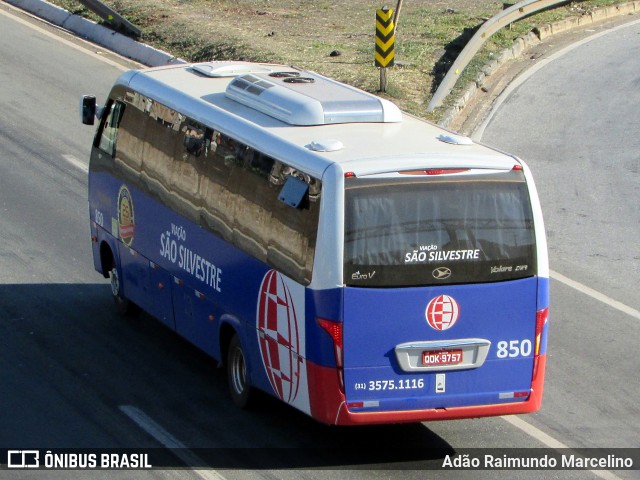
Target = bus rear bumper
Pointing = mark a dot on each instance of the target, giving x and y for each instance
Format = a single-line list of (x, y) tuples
[(342, 415)]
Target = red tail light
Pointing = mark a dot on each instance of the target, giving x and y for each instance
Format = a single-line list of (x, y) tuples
[(541, 319), (445, 171), (434, 171), (334, 329)]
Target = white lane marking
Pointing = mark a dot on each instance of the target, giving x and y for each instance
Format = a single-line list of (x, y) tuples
[(76, 162), (91, 50), (170, 442), (551, 442), (534, 432), (477, 135), (597, 295), (538, 434)]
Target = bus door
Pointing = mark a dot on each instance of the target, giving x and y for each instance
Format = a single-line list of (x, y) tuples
[(441, 291), (145, 282)]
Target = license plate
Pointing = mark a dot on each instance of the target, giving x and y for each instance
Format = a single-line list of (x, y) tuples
[(442, 357)]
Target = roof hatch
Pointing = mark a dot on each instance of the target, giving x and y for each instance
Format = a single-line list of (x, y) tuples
[(306, 98), (229, 69), (455, 139)]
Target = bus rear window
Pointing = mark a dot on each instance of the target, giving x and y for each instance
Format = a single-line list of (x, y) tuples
[(470, 228)]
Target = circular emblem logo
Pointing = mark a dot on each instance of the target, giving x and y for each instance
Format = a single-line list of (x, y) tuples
[(278, 337), (126, 221), (442, 312)]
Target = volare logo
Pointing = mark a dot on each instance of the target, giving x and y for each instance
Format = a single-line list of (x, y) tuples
[(441, 273)]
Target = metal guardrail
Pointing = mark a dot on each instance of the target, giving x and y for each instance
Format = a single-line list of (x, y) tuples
[(111, 16), (491, 26)]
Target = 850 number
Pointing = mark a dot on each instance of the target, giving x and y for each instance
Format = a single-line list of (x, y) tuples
[(514, 348), (99, 217)]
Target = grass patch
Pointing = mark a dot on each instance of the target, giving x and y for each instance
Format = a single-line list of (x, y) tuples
[(429, 36)]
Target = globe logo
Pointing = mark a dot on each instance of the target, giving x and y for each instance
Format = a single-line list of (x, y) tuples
[(442, 312), (277, 325)]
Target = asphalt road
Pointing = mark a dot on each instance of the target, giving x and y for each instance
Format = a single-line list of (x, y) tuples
[(73, 374), (576, 122)]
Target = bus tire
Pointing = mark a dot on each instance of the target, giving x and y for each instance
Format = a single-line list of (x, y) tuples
[(239, 386), (124, 306)]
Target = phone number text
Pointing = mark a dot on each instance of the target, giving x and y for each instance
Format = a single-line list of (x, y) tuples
[(403, 384)]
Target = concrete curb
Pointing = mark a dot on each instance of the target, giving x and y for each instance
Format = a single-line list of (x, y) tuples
[(523, 43), (120, 44)]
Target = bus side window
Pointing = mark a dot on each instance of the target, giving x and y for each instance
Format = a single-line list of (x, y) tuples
[(109, 128), (261, 164), (196, 139)]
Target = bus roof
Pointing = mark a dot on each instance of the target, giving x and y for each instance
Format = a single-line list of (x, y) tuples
[(308, 119)]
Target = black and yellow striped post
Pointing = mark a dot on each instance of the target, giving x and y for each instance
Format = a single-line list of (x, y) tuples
[(385, 43)]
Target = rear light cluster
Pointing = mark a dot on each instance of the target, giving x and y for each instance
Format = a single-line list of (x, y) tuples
[(445, 171), (434, 171), (541, 319), (334, 329)]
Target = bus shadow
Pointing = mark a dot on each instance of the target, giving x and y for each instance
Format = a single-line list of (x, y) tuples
[(373, 447), (93, 354), (318, 446)]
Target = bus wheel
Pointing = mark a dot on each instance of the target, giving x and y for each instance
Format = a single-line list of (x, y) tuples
[(237, 374), (123, 305)]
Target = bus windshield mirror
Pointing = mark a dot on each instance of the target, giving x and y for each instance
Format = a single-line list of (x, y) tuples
[(88, 109)]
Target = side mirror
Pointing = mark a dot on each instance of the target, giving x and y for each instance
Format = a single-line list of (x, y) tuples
[(88, 109), (295, 192)]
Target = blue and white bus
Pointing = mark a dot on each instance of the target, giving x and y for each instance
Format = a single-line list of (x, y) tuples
[(358, 263)]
